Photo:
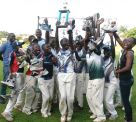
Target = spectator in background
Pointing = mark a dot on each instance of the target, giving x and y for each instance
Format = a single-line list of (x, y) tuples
[(5, 51)]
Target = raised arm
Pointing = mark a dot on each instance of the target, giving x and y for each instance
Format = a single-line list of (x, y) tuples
[(86, 40), (47, 33), (70, 35), (117, 38), (112, 46), (57, 38)]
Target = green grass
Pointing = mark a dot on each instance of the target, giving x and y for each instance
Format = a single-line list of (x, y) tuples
[(78, 116)]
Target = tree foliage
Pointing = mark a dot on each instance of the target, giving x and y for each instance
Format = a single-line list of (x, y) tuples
[(123, 29), (126, 33), (131, 33), (3, 34)]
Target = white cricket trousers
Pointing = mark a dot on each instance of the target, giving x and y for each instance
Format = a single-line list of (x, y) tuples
[(67, 82), (31, 97), (56, 93), (21, 96), (85, 83), (46, 87), (95, 96), (109, 92), (19, 84), (79, 89)]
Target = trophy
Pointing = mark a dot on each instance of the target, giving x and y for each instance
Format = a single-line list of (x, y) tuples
[(90, 23), (62, 21), (45, 25)]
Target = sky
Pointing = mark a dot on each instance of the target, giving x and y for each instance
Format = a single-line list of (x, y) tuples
[(20, 16)]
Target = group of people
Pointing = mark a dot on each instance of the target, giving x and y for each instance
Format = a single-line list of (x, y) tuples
[(64, 70)]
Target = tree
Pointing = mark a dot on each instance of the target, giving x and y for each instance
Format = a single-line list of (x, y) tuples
[(131, 33), (3, 34), (123, 29)]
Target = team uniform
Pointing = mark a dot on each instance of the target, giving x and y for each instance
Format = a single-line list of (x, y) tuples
[(18, 75), (95, 86), (67, 82), (31, 87), (41, 42), (110, 86), (55, 74), (46, 85), (80, 78)]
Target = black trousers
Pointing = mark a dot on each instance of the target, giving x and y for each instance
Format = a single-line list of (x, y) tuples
[(125, 93)]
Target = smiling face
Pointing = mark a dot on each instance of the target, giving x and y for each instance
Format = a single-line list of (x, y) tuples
[(36, 49), (79, 45), (47, 48), (38, 33), (64, 43), (128, 43)]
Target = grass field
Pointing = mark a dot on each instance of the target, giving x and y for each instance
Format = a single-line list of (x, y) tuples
[(78, 116)]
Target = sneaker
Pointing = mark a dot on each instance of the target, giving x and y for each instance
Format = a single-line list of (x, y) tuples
[(107, 114), (45, 115), (123, 108), (34, 110), (7, 116), (69, 118), (113, 117), (93, 116), (100, 119), (117, 105), (63, 118), (49, 113), (9, 82), (27, 112)]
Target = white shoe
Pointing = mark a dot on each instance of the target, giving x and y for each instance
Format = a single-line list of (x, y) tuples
[(69, 118), (100, 119), (9, 82), (49, 113), (112, 117), (7, 116), (117, 105), (45, 115), (34, 110), (63, 118), (93, 116), (123, 108), (26, 112)]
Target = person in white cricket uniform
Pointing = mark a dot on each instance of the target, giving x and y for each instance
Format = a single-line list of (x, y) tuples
[(66, 77), (32, 93), (18, 84), (46, 82), (96, 75), (110, 83), (80, 72)]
